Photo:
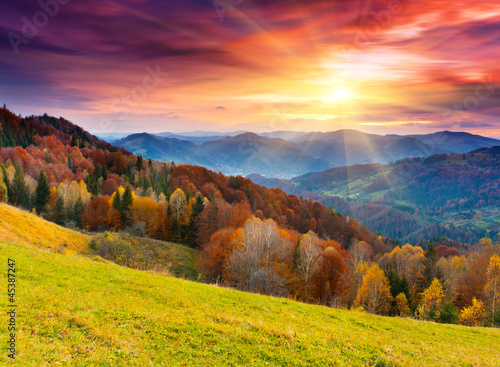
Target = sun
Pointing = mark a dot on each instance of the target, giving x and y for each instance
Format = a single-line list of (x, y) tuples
[(342, 93)]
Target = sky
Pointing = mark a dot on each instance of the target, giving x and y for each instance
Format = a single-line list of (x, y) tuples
[(408, 66)]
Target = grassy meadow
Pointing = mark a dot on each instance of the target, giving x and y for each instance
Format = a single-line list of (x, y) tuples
[(76, 311)]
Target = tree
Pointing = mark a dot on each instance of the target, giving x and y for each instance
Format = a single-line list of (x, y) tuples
[(127, 199), (145, 210), (3, 188), (374, 294), (216, 252), (492, 288), (197, 209), (117, 201), (42, 192), (60, 215), (255, 265), (431, 270), (178, 204), (309, 260), (5, 181), (95, 216), (402, 307), (431, 300), (76, 212), (473, 315), (19, 192)]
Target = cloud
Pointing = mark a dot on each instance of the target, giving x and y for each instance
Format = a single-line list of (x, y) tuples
[(414, 65)]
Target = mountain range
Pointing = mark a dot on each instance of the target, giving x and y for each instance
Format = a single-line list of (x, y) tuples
[(286, 154)]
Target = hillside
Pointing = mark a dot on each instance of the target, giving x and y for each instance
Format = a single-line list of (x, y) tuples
[(19, 226), (76, 311), (415, 199)]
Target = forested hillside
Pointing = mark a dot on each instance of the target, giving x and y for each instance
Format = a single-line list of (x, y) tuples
[(249, 237), (456, 196)]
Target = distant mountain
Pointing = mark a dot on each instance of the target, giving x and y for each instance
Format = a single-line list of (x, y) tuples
[(250, 153), (369, 150), (457, 142), (166, 149), (285, 154), (493, 150), (241, 154), (273, 183)]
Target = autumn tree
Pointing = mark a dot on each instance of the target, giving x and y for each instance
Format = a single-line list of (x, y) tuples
[(42, 192), (178, 204), (3, 188), (309, 258), (255, 264), (95, 216), (473, 315), (492, 289), (431, 300), (401, 305), (374, 295), (329, 282), (145, 210), (216, 252)]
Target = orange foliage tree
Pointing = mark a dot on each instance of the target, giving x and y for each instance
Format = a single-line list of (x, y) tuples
[(96, 215), (375, 292)]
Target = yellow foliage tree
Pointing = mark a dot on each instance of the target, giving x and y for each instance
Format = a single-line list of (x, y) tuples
[(485, 242), (3, 188), (492, 288), (431, 300), (402, 305), (374, 295), (473, 315), (146, 211), (178, 203)]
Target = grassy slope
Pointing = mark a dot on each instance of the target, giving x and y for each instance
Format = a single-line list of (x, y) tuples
[(75, 311), (20, 226)]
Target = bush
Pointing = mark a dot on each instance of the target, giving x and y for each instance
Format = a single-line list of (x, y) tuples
[(448, 314), (473, 315)]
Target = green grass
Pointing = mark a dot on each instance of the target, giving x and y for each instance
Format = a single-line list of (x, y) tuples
[(74, 311), (20, 226)]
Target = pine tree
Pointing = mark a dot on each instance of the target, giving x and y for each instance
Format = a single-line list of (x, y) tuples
[(70, 163), (42, 192), (60, 210), (198, 207), (19, 192), (126, 202), (117, 204), (431, 270), (77, 212)]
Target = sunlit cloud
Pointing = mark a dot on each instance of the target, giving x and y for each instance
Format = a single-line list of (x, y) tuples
[(407, 66)]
